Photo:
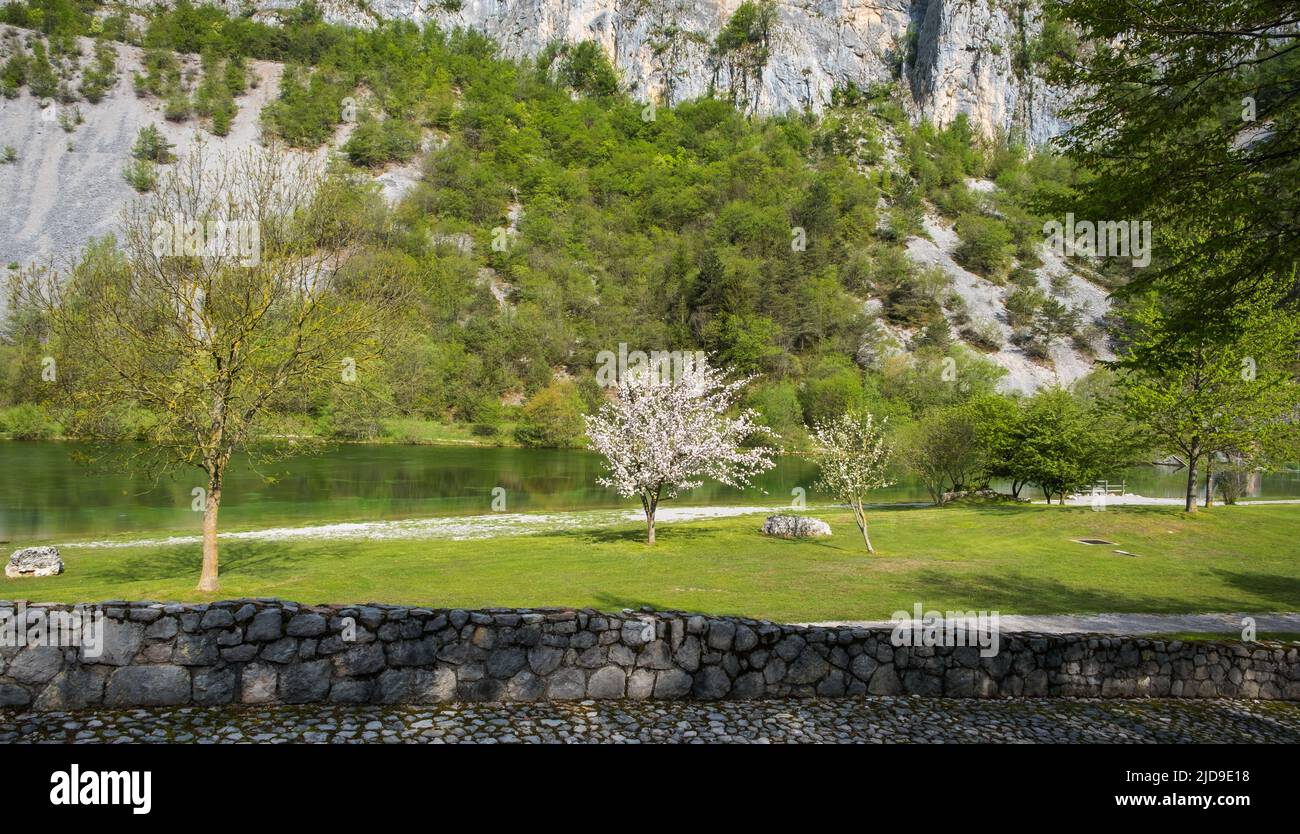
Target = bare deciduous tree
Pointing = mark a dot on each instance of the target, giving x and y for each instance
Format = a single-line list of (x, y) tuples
[(231, 285)]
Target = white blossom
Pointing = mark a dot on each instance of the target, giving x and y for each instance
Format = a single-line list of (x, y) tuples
[(852, 452), (661, 436)]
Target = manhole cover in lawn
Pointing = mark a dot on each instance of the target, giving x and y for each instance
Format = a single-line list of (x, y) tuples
[(1091, 541)]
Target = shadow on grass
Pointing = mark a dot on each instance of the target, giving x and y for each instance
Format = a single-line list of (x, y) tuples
[(1284, 589), (1013, 593), (1005, 508), (678, 532), (606, 601), (183, 562)]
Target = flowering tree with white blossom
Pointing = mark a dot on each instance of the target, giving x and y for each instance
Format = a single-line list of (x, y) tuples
[(853, 453), (661, 436)]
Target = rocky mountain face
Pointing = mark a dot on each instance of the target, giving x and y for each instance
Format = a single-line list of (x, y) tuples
[(954, 56)]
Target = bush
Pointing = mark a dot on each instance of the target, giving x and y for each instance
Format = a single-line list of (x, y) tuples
[(908, 305), (222, 115), (552, 417), (834, 388), (13, 75), (177, 108), (376, 142), (586, 69), (27, 422), (986, 247), (1031, 343), (983, 335), (305, 115), (141, 174), (354, 416), (956, 200), (1023, 305), (70, 118), (778, 408), (100, 77), (162, 73), (41, 79), (151, 146)]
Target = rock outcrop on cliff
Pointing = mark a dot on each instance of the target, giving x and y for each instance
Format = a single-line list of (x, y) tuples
[(953, 56)]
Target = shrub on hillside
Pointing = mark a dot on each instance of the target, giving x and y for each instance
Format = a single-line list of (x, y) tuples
[(141, 174), (1023, 305), (983, 335), (152, 146), (986, 247), (834, 387), (552, 417), (376, 142)]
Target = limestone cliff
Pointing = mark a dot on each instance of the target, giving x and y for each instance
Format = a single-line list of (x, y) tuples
[(953, 56)]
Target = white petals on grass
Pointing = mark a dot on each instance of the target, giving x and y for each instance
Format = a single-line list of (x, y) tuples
[(449, 528)]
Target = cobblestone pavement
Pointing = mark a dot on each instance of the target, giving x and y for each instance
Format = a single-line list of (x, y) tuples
[(870, 720)]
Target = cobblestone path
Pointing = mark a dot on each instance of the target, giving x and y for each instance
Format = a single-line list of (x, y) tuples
[(867, 719)]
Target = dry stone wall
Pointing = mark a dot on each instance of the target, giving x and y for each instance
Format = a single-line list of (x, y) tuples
[(264, 651)]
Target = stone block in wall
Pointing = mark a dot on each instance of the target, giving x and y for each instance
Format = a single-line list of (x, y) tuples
[(121, 642), (566, 685), (710, 683), (74, 689), (525, 686), (607, 682), (199, 649), (305, 682), (433, 686), (35, 664), (216, 618), (350, 691), (308, 624), (148, 686), (13, 695), (506, 662), (162, 629), (283, 650), (421, 652), (266, 626), (215, 686), (544, 660), (258, 683)]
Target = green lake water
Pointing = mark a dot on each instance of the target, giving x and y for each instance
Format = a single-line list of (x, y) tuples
[(47, 495)]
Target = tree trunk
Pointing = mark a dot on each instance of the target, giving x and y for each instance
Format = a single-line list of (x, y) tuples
[(1190, 505), (650, 503), (208, 578), (861, 518), (1209, 480)]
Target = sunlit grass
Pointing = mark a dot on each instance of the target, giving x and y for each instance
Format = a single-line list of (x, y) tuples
[(1014, 559)]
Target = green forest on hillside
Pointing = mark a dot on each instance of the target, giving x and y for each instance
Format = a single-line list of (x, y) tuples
[(680, 228)]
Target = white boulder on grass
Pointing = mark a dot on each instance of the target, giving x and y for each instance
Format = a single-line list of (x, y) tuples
[(34, 561), (795, 527)]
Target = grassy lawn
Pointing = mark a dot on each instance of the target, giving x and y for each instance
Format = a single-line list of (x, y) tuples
[(1015, 559)]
